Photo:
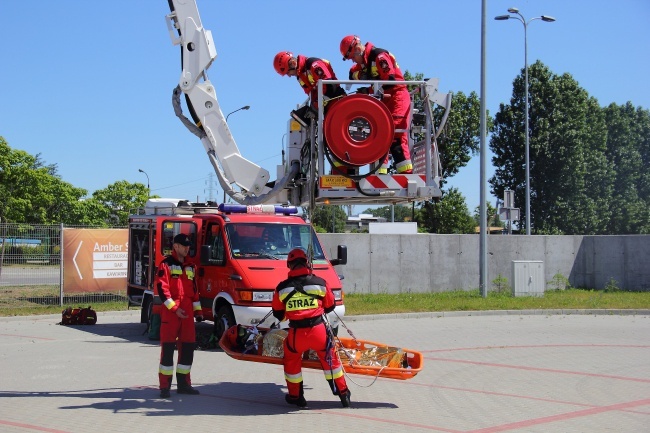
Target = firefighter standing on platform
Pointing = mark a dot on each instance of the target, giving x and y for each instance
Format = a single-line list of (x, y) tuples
[(372, 63), (304, 298), (177, 289), (308, 70)]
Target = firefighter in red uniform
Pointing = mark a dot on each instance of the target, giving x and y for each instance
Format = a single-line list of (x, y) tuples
[(372, 63), (177, 289), (304, 298), (308, 70)]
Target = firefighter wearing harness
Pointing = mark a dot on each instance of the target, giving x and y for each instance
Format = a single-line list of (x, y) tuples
[(308, 70), (372, 63), (303, 299), (177, 289)]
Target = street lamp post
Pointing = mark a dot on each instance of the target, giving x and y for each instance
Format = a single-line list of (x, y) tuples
[(148, 189), (245, 107), (522, 20)]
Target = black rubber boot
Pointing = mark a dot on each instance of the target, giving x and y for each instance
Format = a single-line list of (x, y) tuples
[(164, 393), (298, 401), (183, 386), (345, 398)]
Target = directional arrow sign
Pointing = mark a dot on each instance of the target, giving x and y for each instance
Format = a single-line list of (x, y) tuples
[(94, 260)]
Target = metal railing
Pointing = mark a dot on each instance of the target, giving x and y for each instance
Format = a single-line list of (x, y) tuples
[(31, 268)]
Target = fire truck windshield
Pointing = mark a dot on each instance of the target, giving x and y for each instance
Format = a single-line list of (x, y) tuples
[(271, 240)]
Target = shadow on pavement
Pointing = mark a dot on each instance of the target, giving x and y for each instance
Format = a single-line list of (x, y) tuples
[(224, 398)]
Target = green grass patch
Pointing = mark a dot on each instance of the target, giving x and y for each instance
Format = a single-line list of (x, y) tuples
[(38, 300), (35, 301), (578, 299)]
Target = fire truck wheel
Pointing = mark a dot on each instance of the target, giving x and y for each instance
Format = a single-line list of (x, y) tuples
[(223, 320), (145, 312)]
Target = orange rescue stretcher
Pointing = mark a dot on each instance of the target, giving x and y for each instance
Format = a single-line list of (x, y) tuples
[(357, 356)]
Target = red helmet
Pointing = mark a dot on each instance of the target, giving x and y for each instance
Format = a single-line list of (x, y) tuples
[(347, 44), (281, 62), (296, 254)]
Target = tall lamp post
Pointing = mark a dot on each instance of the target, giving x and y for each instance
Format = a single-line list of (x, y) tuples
[(519, 17), (245, 107), (148, 189)]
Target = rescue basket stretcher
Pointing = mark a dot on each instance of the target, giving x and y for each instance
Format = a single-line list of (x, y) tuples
[(357, 356)]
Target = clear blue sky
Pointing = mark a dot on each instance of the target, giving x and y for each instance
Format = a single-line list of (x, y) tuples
[(87, 84)]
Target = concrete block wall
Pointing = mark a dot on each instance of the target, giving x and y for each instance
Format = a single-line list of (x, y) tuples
[(438, 263)]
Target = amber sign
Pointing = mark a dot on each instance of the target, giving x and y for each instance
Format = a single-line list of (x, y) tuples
[(94, 260)]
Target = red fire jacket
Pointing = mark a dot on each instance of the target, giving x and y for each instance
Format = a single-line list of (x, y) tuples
[(176, 285), (379, 64), (302, 296)]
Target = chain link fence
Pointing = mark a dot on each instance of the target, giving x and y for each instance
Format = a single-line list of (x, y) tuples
[(31, 270)]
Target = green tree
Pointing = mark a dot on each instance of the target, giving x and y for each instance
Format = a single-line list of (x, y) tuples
[(628, 133), (460, 138), (401, 213), (121, 198), (492, 216), (32, 192), (89, 212), (447, 216), (328, 219), (570, 177)]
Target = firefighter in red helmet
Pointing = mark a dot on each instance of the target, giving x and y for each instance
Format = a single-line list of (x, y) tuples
[(372, 63), (304, 298), (308, 70), (179, 294)]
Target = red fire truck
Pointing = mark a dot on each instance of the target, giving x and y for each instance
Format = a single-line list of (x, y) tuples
[(240, 254)]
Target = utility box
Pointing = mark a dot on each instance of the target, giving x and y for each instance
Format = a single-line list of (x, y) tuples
[(528, 278)]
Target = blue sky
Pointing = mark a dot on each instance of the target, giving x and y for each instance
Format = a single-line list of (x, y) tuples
[(87, 84)]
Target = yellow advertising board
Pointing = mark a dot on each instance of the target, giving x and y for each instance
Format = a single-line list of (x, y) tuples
[(95, 260)]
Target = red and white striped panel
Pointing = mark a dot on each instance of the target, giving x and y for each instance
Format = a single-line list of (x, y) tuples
[(394, 181)]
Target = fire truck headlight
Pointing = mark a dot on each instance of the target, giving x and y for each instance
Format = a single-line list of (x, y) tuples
[(262, 296), (338, 295)]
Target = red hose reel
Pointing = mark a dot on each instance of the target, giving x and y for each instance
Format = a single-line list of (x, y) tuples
[(359, 130)]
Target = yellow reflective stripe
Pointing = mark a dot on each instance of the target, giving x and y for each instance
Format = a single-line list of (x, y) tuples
[(183, 369), (169, 303), (373, 70), (166, 370), (293, 378), (190, 273), (312, 289), (285, 292), (196, 306), (175, 271), (315, 290), (333, 374), (404, 165)]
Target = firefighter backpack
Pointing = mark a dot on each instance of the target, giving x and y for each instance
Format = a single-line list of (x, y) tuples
[(78, 316)]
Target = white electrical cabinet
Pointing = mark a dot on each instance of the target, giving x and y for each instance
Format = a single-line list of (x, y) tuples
[(528, 278)]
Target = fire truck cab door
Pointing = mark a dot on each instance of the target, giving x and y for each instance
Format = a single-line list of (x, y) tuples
[(215, 270)]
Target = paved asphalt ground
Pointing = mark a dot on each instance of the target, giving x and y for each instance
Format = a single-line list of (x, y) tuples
[(485, 372)]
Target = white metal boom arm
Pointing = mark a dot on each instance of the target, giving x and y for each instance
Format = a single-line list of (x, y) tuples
[(197, 54)]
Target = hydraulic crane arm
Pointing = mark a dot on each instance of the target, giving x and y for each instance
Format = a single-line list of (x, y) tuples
[(197, 54), (359, 127)]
